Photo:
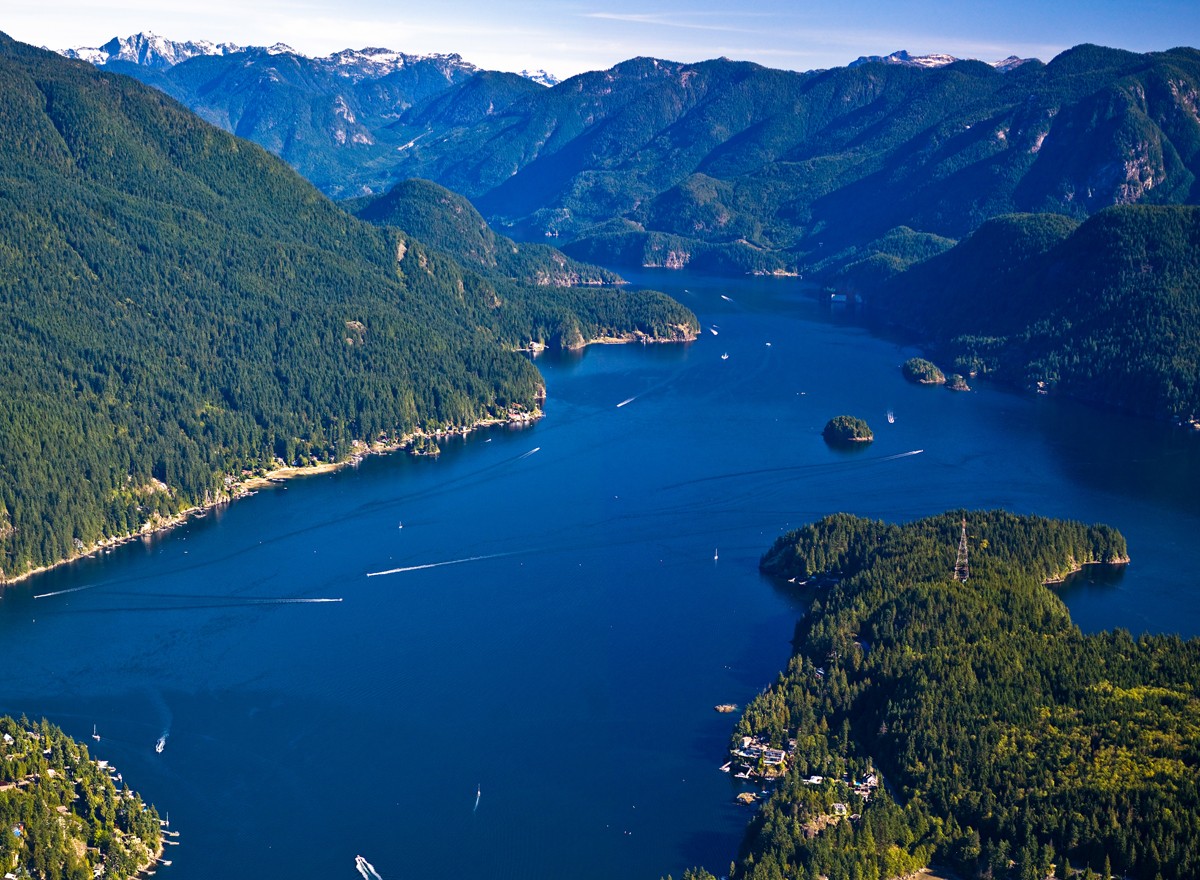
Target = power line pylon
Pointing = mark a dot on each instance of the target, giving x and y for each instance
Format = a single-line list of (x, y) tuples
[(961, 569)]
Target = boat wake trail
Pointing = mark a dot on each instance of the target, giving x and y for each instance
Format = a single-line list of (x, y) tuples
[(529, 453), (366, 869), (372, 574), (478, 795), (64, 592), (815, 466), (626, 400), (290, 601), (901, 455)]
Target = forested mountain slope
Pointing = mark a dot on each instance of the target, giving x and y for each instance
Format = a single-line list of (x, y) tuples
[(329, 118), (725, 164), (1010, 744), (449, 222), (1107, 310), (179, 306), (791, 167)]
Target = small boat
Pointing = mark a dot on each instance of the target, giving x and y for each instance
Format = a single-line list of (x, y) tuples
[(712, 331), (714, 554), (725, 356), (891, 417), (161, 744), (95, 735)]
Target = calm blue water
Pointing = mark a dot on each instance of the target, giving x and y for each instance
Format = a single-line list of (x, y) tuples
[(567, 671)]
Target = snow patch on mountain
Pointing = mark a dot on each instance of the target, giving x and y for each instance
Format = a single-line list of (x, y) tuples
[(932, 60), (148, 50), (159, 53), (541, 77)]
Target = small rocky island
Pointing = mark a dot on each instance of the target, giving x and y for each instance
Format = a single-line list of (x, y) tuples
[(957, 383), (847, 430), (923, 372)]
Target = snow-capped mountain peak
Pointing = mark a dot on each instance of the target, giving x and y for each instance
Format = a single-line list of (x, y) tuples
[(935, 59), (1007, 64), (158, 53), (374, 62), (148, 50), (540, 76)]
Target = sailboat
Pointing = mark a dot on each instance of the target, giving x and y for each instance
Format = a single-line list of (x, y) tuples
[(95, 735), (714, 554)]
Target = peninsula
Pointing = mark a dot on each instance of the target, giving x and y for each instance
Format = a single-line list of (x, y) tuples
[(61, 813), (999, 738)]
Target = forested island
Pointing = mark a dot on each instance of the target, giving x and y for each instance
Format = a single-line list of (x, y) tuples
[(1009, 744), (182, 311), (61, 816), (847, 431), (923, 372)]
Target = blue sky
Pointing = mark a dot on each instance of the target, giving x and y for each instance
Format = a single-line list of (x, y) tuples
[(568, 36)]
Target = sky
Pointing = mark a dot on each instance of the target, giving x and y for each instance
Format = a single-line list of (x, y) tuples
[(566, 37)]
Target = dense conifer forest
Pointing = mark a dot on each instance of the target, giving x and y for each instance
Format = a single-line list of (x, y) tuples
[(1009, 744), (1107, 310), (179, 308), (449, 222)]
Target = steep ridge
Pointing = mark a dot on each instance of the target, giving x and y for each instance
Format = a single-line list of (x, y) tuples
[(797, 166), (449, 222)]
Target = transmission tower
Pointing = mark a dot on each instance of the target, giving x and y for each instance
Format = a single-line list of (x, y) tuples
[(961, 570)]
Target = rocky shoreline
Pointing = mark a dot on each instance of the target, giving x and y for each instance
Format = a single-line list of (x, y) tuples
[(241, 486), (244, 486)]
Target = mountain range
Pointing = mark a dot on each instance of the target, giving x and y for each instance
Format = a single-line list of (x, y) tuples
[(724, 165), (937, 59), (734, 165), (328, 117)]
